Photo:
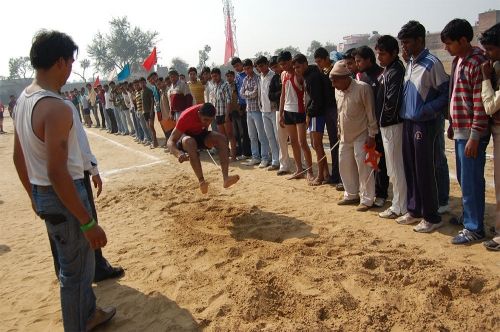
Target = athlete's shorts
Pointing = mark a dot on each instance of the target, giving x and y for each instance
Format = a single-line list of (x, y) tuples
[(293, 118), (200, 141), (317, 124)]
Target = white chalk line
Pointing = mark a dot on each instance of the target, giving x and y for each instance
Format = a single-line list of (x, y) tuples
[(151, 157), (126, 169)]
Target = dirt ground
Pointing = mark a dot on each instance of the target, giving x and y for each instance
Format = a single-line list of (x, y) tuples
[(265, 255)]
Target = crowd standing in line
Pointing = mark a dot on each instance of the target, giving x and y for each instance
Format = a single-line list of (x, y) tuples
[(396, 107)]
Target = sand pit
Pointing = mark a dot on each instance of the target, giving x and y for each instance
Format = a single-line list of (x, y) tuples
[(265, 255)]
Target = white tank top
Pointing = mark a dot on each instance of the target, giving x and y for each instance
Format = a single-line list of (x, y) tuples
[(291, 99), (34, 149)]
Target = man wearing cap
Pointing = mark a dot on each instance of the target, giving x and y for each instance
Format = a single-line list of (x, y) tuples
[(357, 127)]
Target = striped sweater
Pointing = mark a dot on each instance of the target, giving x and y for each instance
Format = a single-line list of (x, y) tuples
[(467, 114)]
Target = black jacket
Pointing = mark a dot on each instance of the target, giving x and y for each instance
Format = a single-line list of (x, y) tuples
[(275, 90), (319, 90), (389, 97)]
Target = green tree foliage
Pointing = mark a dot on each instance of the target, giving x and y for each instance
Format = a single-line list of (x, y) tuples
[(292, 49), (180, 65), (124, 44), (20, 67), (203, 56)]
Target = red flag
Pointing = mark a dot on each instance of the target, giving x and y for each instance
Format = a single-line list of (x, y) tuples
[(229, 51), (97, 82), (150, 61)]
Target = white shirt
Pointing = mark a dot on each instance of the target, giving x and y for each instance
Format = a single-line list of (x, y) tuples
[(107, 100), (265, 81), (88, 157)]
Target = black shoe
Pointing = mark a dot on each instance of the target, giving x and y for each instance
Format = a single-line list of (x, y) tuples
[(112, 273), (339, 187)]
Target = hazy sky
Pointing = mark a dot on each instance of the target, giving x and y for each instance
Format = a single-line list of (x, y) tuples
[(185, 26)]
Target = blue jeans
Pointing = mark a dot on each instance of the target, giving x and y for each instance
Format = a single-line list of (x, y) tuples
[(137, 126), (118, 117), (145, 127), (269, 119), (470, 174), (75, 256), (442, 172), (257, 134)]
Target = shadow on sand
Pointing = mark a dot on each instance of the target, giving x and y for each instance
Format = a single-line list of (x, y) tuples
[(136, 311), (268, 226)]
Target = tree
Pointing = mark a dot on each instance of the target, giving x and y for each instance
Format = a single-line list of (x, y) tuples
[(180, 65), (312, 48), (330, 47), (292, 49), (203, 56), (263, 53), (20, 67), (124, 44), (85, 64)]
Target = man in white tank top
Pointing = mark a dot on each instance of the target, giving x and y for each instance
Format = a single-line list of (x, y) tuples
[(49, 163)]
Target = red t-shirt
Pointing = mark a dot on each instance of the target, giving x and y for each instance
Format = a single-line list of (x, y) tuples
[(189, 122)]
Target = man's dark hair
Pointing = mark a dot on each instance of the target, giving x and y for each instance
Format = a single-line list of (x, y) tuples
[(247, 63), (388, 44), (50, 46), (215, 71), (105, 86), (135, 81), (192, 69), (413, 30), (235, 61), (456, 29), (160, 79), (205, 70), (230, 72), (321, 53), (261, 60), (273, 61), (113, 82), (152, 74), (88, 84), (284, 56), (207, 109), (299, 58), (350, 53), (142, 79), (172, 71), (491, 36), (366, 53)]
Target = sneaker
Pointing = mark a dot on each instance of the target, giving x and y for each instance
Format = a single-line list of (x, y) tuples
[(273, 168), (264, 164), (379, 202), (407, 219), (426, 227), (344, 201), (467, 237), (252, 162), (242, 157), (363, 208), (444, 209), (389, 214), (492, 245)]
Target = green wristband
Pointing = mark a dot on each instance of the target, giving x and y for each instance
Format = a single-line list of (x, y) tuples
[(88, 226)]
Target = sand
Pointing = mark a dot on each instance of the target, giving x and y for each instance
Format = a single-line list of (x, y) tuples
[(265, 255)]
